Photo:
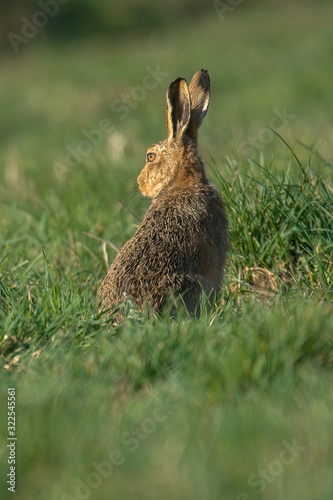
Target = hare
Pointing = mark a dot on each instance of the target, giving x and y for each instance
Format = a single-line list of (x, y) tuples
[(181, 245)]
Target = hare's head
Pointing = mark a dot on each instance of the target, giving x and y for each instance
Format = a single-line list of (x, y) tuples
[(175, 160)]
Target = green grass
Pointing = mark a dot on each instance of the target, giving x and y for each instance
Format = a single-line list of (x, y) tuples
[(164, 408)]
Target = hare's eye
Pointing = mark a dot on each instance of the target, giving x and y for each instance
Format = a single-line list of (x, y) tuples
[(151, 156)]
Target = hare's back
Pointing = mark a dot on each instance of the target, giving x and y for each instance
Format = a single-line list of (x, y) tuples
[(181, 242), (191, 223)]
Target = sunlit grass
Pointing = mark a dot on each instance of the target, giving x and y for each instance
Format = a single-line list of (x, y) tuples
[(223, 392)]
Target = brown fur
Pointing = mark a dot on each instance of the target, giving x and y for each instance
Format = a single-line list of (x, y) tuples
[(182, 242)]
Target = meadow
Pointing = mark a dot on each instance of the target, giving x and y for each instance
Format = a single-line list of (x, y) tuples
[(236, 404)]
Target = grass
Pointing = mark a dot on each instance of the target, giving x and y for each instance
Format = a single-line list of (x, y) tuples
[(236, 404)]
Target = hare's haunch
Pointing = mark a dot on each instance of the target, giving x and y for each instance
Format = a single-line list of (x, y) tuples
[(181, 245)]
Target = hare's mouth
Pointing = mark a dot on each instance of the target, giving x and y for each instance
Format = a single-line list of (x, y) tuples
[(142, 185), (149, 188)]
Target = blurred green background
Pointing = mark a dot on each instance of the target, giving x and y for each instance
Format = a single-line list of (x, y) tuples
[(262, 55), (82, 96)]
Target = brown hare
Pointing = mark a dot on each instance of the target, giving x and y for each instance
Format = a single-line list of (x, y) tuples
[(180, 246)]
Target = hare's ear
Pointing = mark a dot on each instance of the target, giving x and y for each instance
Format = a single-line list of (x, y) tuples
[(200, 96), (177, 109)]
